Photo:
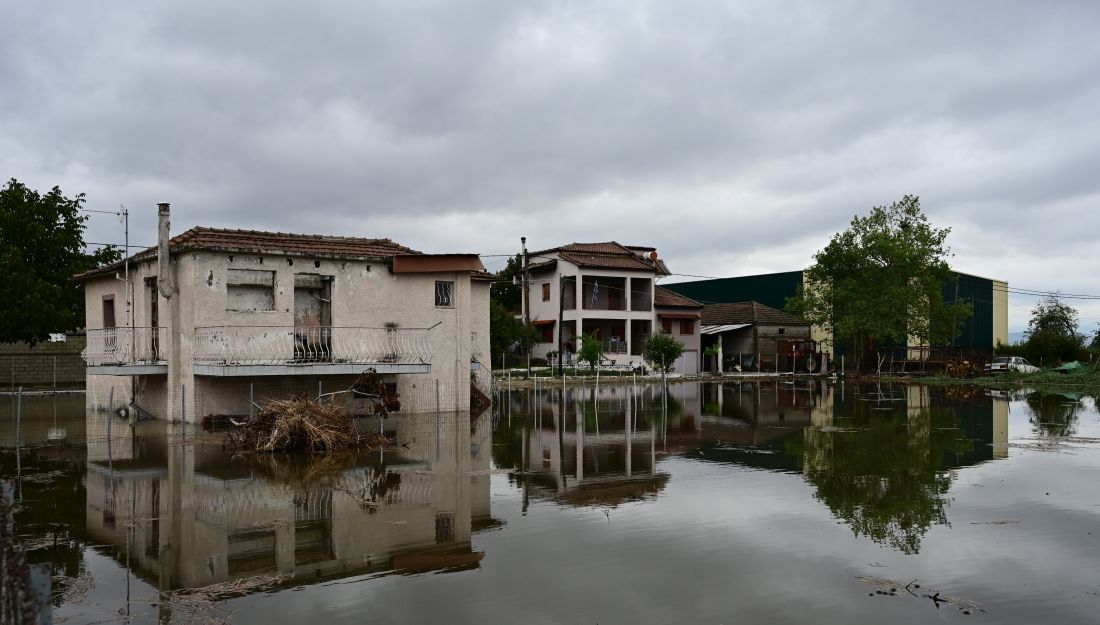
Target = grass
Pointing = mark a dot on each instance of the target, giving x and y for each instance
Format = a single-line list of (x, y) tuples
[(1087, 379)]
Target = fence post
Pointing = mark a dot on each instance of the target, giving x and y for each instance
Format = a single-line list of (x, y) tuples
[(55, 372), (251, 399), (183, 408), (437, 397)]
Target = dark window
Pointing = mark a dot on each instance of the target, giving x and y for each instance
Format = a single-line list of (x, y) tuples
[(781, 330), (444, 293), (666, 325), (445, 528), (108, 311), (687, 326), (546, 291), (546, 333)]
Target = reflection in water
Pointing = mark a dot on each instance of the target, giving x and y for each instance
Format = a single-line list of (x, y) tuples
[(710, 475), (1053, 414), (185, 515), (880, 458)]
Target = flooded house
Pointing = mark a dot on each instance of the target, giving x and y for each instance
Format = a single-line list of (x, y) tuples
[(212, 320), (607, 290), (749, 336)]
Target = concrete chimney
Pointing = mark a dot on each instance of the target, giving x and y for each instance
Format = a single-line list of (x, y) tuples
[(164, 281)]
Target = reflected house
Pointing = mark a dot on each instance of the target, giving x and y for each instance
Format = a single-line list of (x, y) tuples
[(588, 453), (210, 314), (200, 517), (608, 290)]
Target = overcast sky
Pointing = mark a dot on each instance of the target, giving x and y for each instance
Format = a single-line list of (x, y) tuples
[(736, 137)]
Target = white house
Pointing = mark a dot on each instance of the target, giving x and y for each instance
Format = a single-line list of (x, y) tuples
[(201, 320), (607, 290)]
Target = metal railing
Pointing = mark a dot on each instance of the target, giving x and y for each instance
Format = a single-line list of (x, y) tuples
[(124, 346), (257, 345)]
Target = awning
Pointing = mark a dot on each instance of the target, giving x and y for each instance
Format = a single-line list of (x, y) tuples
[(725, 328), (678, 315), (543, 322)]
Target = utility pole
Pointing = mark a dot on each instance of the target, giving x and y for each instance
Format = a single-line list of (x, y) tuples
[(526, 306), (561, 328)]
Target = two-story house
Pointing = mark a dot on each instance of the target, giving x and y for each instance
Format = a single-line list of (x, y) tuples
[(607, 290), (201, 320)]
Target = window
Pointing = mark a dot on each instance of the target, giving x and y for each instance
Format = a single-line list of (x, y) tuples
[(687, 326), (546, 333), (249, 290), (546, 291), (444, 293), (666, 325)]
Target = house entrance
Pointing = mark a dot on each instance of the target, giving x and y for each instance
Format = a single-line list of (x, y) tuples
[(312, 317), (154, 317)]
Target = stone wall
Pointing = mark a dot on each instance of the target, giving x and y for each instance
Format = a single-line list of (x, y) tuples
[(43, 365)]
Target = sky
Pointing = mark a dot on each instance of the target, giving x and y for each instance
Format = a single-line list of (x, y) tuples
[(736, 137)]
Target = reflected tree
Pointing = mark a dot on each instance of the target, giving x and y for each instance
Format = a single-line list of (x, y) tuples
[(1053, 414), (883, 471)]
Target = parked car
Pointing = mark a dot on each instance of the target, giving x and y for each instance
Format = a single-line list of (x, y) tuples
[(1003, 364)]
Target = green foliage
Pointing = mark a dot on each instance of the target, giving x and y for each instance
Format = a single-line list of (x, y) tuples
[(881, 280), (41, 248), (591, 350), (1052, 333), (661, 351), (1094, 344), (503, 291), (506, 332)]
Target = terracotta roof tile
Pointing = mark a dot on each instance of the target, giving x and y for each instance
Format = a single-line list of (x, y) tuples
[(662, 297), (742, 312), (254, 241), (608, 261)]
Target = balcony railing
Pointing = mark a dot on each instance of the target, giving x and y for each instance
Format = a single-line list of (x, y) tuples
[(266, 345), (124, 346)]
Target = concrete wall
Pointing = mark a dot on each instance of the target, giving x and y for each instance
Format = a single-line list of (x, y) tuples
[(363, 294), (44, 364)]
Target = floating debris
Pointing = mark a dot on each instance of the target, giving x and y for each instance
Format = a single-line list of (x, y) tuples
[(301, 424)]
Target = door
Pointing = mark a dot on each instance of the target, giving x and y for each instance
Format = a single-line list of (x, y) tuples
[(154, 318), (110, 334), (312, 317)]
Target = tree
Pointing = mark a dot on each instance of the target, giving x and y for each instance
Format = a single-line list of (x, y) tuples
[(506, 331), (882, 280), (661, 351), (1094, 344), (41, 249), (591, 350), (1052, 332)]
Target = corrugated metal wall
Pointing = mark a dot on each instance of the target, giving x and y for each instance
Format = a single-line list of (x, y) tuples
[(977, 332), (771, 289)]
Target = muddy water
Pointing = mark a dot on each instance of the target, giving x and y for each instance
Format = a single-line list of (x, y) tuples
[(778, 503)]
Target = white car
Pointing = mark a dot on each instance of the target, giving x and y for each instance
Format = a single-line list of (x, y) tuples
[(1002, 364)]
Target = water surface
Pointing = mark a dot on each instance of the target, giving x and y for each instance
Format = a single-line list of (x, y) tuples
[(778, 502)]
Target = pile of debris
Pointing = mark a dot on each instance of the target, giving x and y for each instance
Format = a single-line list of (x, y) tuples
[(301, 424), (297, 424)]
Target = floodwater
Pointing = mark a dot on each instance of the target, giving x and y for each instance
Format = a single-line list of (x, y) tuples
[(736, 503)]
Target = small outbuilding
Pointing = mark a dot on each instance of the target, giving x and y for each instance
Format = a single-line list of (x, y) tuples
[(749, 336)]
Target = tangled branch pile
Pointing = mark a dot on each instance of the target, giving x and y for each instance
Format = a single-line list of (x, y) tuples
[(297, 424)]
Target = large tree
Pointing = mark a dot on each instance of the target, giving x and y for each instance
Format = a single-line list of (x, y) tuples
[(1052, 333), (41, 248), (882, 281)]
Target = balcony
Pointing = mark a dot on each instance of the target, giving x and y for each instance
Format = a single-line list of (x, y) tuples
[(125, 351), (267, 350)]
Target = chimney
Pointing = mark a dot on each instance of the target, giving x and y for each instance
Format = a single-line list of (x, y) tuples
[(164, 283)]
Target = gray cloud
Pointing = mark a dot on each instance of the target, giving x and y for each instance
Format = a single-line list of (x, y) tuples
[(733, 136)]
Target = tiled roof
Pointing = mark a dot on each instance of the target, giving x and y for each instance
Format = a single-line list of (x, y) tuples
[(608, 261), (662, 297), (742, 312), (254, 241)]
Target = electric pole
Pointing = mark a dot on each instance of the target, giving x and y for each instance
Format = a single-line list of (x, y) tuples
[(526, 306)]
